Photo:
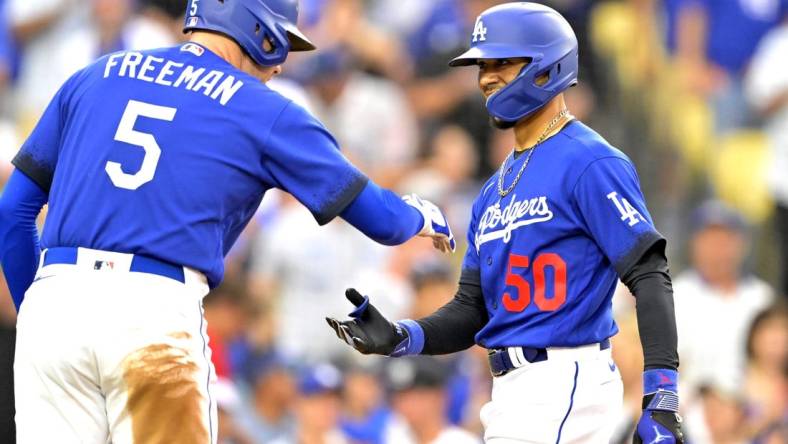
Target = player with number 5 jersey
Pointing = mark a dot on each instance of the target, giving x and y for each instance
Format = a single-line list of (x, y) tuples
[(152, 163), (551, 234)]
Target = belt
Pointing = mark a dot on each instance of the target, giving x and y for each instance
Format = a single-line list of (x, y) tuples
[(139, 263), (504, 360)]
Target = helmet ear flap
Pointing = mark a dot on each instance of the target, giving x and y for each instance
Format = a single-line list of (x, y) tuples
[(267, 44), (542, 79)]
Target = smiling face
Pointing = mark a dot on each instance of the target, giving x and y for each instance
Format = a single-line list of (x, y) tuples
[(494, 74)]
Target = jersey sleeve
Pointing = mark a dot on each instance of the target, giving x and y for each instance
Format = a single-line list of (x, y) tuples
[(38, 156), (613, 211), (470, 262), (304, 160)]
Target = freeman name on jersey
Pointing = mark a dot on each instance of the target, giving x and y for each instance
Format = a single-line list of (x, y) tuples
[(517, 214), (215, 84)]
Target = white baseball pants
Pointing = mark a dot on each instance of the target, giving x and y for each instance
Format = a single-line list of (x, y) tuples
[(113, 356), (575, 396)]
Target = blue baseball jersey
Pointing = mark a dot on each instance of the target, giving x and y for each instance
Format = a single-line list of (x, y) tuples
[(168, 152), (549, 253)]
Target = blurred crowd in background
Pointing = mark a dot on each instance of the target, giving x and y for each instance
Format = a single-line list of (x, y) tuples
[(694, 91)]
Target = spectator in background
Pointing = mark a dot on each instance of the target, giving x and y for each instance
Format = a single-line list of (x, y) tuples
[(717, 417), (268, 414), (301, 267), (40, 28), (343, 23), (766, 385), (168, 14), (59, 37), (716, 299), (366, 417), (369, 116), (225, 316), (715, 40), (767, 90), (418, 386), (317, 407), (434, 286), (434, 283), (113, 26), (447, 175), (432, 31), (228, 405)]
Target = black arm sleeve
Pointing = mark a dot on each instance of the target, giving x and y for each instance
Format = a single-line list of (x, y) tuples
[(453, 327), (649, 280)]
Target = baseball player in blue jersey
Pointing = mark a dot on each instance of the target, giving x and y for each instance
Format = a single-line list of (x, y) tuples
[(152, 163), (550, 235)]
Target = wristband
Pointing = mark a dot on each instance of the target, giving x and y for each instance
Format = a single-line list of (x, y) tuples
[(413, 344), (660, 379)]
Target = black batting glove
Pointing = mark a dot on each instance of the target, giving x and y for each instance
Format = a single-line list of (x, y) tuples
[(369, 332)]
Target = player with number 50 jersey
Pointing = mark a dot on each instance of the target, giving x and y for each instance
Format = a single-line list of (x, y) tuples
[(551, 234)]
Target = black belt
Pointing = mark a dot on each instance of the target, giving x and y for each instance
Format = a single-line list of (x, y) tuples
[(501, 362)]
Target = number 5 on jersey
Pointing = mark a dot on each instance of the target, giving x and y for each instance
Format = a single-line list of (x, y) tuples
[(517, 301), (126, 133)]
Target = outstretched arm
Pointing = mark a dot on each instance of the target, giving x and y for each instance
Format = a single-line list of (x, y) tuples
[(390, 220), (334, 187), (450, 329), (20, 204)]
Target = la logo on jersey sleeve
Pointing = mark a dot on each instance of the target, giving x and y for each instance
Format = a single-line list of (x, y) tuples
[(629, 213)]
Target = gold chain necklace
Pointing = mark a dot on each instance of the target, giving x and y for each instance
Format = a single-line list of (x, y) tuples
[(550, 126)]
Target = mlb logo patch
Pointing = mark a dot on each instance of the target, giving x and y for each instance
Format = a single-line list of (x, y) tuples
[(104, 265), (192, 48), (192, 21)]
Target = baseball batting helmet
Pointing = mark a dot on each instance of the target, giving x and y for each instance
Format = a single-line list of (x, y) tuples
[(529, 30), (250, 23)]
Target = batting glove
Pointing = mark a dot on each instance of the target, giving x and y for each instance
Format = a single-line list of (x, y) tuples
[(371, 333), (660, 422), (435, 225)]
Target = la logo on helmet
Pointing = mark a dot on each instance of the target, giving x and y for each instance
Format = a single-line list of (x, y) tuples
[(479, 31)]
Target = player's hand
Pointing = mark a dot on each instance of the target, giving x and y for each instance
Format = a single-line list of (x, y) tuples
[(435, 224), (660, 422), (368, 331)]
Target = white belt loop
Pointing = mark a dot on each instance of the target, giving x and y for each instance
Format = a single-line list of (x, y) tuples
[(513, 356), (41, 258), (520, 355)]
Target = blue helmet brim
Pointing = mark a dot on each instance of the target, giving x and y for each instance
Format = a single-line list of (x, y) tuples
[(488, 51)]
